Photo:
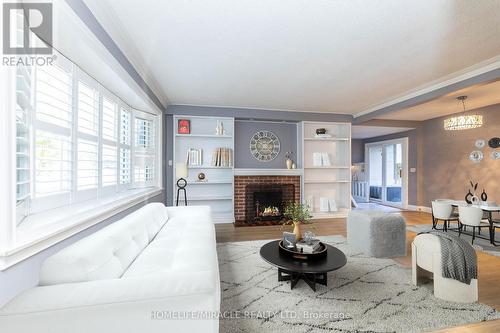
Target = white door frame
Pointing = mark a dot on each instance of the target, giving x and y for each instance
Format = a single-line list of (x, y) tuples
[(404, 176)]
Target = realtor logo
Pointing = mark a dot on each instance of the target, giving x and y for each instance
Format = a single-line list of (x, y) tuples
[(21, 21)]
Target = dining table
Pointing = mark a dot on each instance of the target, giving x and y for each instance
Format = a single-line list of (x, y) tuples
[(488, 208)]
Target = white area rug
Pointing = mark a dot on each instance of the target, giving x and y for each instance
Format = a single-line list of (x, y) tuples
[(366, 295)]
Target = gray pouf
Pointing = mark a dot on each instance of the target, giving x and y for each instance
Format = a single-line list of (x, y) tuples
[(377, 234)]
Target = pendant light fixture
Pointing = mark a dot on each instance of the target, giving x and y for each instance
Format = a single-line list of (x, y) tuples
[(463, 122)]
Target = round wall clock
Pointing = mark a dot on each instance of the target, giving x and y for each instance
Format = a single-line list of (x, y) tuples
[(264, 146)]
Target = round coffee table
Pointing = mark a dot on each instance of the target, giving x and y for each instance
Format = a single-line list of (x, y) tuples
[(310, 271)]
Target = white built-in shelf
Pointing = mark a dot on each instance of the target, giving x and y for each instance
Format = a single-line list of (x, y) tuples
[(211, 182), (213, 136), (325, 181), (327, 139), (267, 172), (325, 215), (328, 167), (210, 198), (217, 191), (209, 167)]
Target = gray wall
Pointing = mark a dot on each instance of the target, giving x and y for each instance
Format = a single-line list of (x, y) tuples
[(357, 151), (446, 165), (24, 275), (243, 130)]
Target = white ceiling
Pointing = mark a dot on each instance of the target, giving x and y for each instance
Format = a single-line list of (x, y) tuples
[(324, 55), (478, 96), (365, 132)]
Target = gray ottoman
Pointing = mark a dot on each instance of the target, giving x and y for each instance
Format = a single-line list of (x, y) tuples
[(377, 234)]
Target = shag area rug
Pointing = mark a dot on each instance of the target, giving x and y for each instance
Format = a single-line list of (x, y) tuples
[(366, 295)]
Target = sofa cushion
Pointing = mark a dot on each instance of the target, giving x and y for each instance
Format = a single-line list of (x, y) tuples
[(181, 246), (107, 253)]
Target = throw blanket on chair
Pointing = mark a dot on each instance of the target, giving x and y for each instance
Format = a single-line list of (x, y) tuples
[(458, 258)]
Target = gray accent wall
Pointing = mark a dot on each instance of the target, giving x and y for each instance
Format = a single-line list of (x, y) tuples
[(243, 131), (357, 151), (446, 165), (25, 274)]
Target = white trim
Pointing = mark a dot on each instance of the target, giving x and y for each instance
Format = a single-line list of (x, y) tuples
[(405, 175), (267, 172), (462, 75), (29, 242)]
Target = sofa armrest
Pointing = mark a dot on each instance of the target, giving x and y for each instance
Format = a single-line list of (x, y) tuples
[(113, 291), (189, 211)]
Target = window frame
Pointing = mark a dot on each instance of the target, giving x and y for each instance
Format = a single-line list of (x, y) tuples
[(105, 190), (42, 203), (149, 152), (91, 193)]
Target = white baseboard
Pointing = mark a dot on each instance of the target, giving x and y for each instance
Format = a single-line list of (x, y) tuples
[(419, 208)]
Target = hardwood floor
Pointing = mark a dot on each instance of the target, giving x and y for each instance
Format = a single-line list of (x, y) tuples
[(488, 265)]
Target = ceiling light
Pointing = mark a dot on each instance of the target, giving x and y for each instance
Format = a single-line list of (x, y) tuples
[(463, 122)]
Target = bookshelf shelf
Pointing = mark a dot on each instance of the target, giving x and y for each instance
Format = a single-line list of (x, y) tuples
[(325, 183), (327, 139), (211, 136), (218, 189)]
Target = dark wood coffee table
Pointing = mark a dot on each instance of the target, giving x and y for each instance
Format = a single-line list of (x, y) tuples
[(310, 271)]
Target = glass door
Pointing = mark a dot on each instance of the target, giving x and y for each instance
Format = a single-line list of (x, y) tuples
[(375, 154), (393, 173), (386, 166)]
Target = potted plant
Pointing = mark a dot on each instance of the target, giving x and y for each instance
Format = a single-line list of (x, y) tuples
[(297, 214)]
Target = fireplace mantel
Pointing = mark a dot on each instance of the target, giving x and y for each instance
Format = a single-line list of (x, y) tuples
[(267, 172)]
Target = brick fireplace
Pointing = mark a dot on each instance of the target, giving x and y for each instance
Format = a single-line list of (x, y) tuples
[(255, 193)]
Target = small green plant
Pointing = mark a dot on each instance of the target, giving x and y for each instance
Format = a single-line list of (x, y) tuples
[(297, 213)]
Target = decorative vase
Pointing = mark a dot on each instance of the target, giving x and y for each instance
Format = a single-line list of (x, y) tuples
[(294, 166), (288, 163), (297, 231), (468, 197), (484, 196)]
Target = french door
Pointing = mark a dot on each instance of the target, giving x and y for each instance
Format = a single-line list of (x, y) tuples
[(387, 171)]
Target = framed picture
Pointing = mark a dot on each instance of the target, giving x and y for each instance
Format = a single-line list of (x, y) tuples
[(289, 239), (184, 126)]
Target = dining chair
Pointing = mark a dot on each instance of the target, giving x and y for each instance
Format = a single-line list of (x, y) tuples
[(473, 217), (442, 210)]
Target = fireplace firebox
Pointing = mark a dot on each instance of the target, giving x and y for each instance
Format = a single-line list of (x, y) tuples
[(265, 202)]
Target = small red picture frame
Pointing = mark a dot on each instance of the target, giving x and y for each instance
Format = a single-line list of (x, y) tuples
[(184, 126)]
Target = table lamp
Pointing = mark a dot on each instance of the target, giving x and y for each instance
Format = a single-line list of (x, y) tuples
[(181, 173)]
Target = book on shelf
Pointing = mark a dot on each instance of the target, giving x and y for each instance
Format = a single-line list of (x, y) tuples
[(321, 159), (222, 157), (194, 157), (327, 205)]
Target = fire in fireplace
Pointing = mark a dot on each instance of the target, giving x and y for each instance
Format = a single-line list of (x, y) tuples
[(265, 202)]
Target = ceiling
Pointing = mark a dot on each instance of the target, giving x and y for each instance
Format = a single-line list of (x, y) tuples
[(322, 56), (478, 96), (365, 132)]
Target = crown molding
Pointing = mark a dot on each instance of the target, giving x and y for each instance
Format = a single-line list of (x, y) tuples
[(488, 70)]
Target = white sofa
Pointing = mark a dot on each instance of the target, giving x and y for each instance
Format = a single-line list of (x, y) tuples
[(155, 270)]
